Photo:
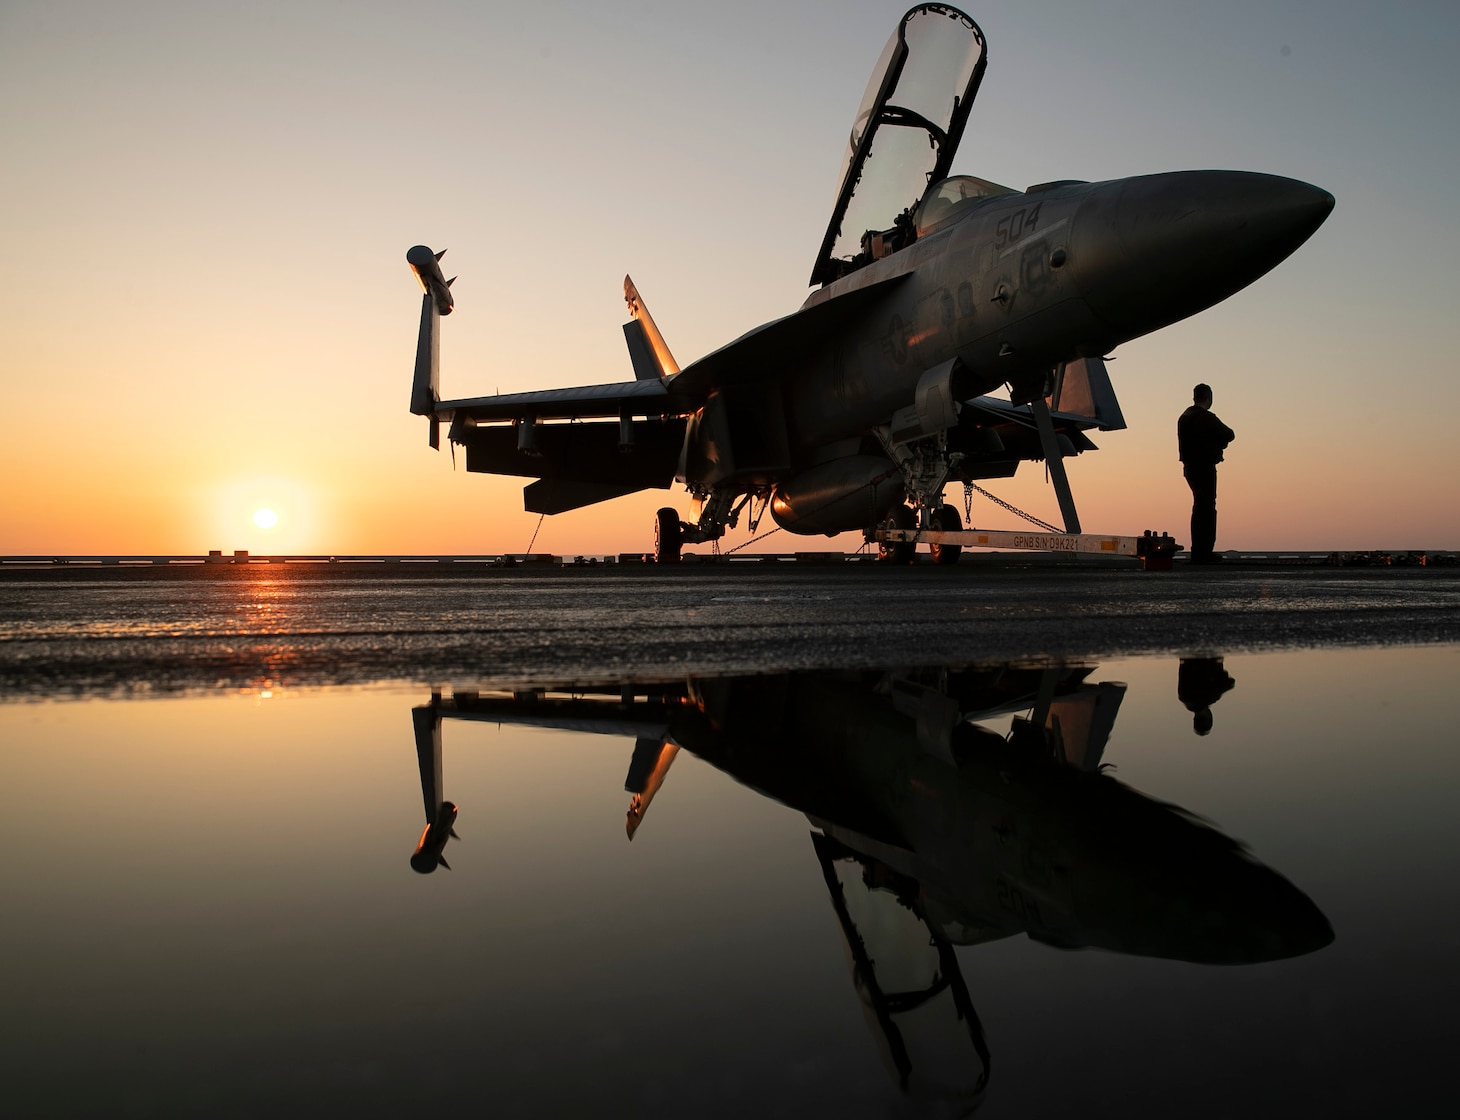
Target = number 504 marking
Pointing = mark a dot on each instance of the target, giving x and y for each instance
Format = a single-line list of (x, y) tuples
[(1016, 225)]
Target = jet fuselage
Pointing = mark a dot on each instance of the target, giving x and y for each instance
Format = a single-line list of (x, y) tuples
[(1022, 282)]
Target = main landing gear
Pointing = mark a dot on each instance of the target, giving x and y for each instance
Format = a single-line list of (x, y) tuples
[(719, 508), (668, 536), (898, 552), (944, 519)]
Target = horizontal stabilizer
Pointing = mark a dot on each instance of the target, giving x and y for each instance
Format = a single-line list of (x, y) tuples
[(555, 495), (619, 457)]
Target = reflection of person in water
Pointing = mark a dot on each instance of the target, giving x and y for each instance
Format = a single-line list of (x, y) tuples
[(1200, 683)]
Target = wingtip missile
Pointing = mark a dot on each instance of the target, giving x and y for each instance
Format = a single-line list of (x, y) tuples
[(426, 265)]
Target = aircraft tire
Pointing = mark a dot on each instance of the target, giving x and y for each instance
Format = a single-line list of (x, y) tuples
[(900, 552), (945, 519), (668, 536)]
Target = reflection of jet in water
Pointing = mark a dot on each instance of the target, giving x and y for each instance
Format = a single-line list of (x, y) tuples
[(935, 830)]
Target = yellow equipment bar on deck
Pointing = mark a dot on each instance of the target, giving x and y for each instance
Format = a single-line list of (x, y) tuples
[(1156, 549)]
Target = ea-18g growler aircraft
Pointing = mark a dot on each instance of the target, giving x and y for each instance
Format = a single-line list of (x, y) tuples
[(934, 293)]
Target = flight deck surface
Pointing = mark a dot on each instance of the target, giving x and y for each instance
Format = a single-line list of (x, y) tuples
[(104, 629), (666, 807)]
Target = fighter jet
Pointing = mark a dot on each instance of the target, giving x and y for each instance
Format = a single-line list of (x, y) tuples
[(958, 328), (934, 829)]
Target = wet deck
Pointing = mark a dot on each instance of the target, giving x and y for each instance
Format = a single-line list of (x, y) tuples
[(92, 629)]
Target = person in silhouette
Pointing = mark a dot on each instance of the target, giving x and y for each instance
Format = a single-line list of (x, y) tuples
[(1201, 438), (1200, 683)]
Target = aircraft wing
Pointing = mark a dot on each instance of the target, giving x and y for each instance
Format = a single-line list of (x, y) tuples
[(592, 443), (660, 398), (638, 398), (779, 344), (647, 720), (585, 711)]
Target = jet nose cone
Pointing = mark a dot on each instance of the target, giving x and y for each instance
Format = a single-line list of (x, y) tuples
[(1154, 249), (1240, 912)]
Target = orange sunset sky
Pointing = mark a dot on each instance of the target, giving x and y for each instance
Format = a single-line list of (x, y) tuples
[(205, 308)]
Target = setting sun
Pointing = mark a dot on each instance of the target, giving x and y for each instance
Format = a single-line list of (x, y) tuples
[(270, 513)]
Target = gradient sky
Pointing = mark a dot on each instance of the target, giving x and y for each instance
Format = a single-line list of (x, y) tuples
[(205, 307)]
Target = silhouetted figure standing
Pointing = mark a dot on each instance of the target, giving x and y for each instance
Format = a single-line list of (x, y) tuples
[(1200, 683), (1202, 438)]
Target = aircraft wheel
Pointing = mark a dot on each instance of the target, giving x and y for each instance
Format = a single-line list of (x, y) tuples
[(668, 536), (899, 552), (945, 519)]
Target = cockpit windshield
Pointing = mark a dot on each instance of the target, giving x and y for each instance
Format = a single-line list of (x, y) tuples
[(947, 198), (904, 136)]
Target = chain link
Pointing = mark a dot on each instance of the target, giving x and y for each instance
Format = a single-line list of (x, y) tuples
[(752, 540), (534, 534), (970, 487)]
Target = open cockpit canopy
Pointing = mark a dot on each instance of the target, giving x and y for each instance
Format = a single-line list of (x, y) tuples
[(913, 112)]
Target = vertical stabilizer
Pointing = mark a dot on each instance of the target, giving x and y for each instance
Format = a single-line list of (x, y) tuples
[(647, 349)]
